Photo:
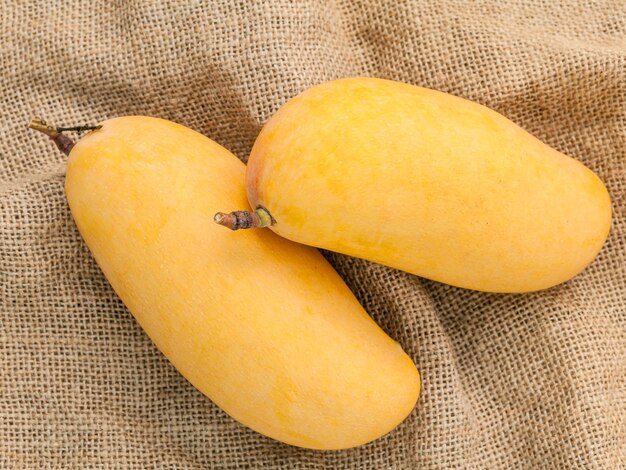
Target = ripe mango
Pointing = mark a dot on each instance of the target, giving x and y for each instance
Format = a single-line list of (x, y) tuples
[(263, 326), (428, 183)]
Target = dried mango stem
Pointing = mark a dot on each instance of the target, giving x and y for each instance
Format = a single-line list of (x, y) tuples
[(245, 219), (63, 142)]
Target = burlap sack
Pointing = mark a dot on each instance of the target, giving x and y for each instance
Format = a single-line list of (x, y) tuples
[(509, 381)]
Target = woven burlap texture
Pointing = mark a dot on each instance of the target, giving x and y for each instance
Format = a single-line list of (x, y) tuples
[(509, 381)]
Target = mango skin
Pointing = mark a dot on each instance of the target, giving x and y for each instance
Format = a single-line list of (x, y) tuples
[(428, 183), (262, 326)]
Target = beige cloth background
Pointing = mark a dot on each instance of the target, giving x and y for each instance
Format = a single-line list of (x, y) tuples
[(510, 381)]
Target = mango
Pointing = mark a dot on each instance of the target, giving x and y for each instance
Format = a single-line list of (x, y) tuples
[(262, 326), (428, 183)]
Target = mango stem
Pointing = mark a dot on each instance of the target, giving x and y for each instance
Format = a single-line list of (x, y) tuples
[(63, 142), (245, 219)]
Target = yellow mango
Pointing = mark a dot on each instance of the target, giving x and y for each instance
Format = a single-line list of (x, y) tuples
[(428, 183), (262, 326)]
